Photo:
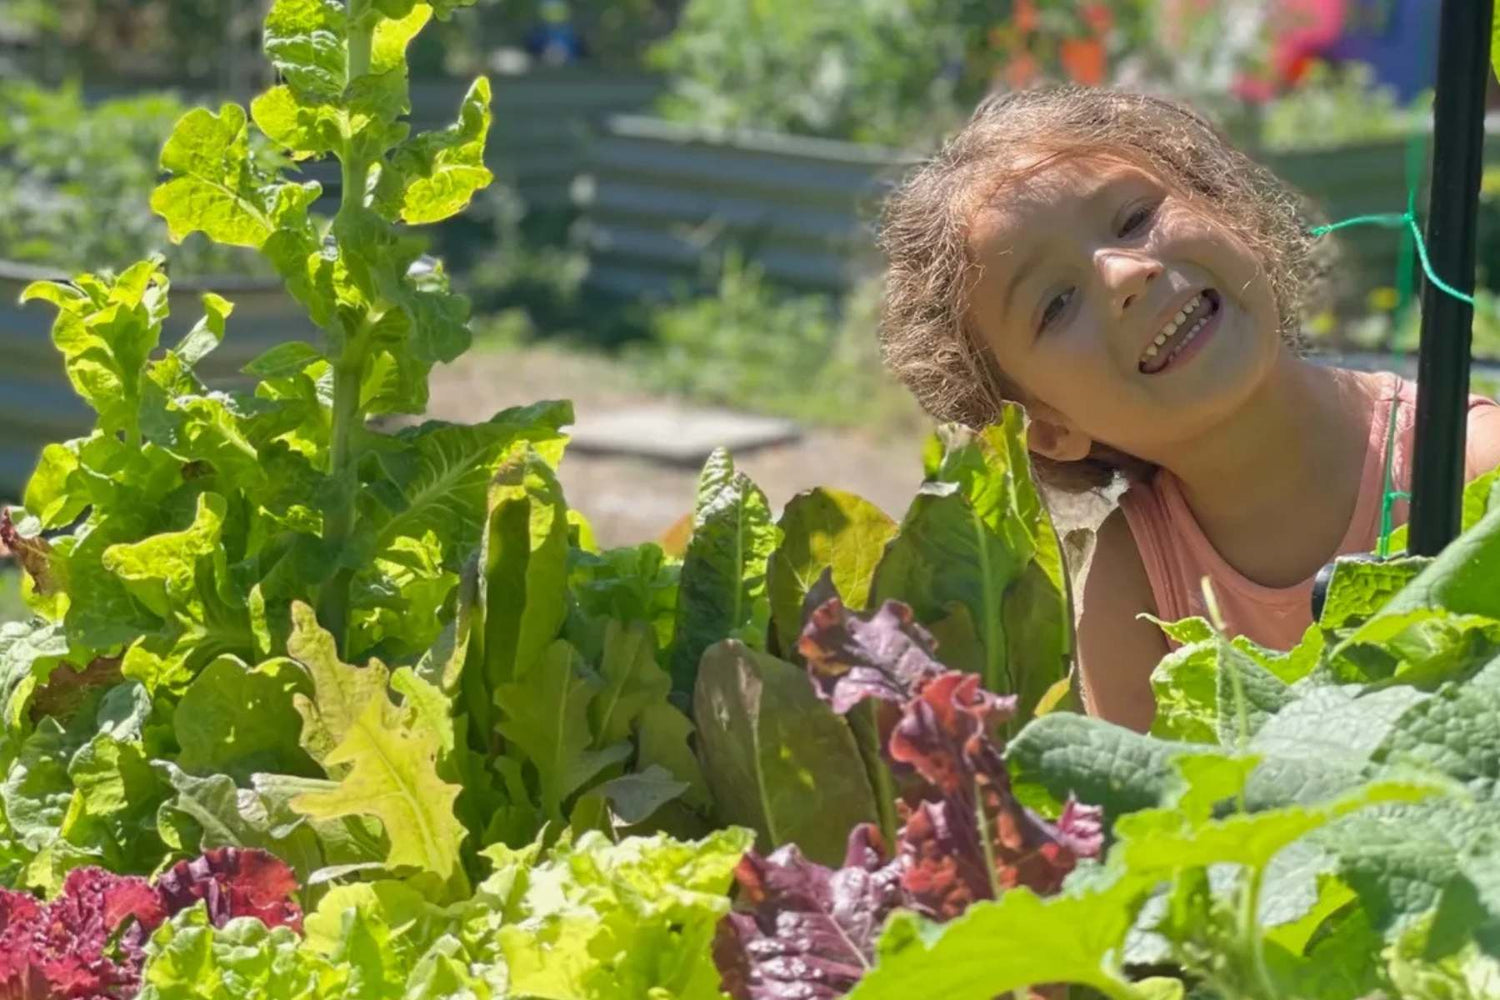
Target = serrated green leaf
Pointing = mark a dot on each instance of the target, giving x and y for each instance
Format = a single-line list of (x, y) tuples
[(1186, 689), (106, 337), (1358, 590), (162, 570), (341, 692), (723, 583), (392, 776)]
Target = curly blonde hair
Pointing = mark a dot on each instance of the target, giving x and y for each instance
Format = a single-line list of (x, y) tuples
[(926, 337)]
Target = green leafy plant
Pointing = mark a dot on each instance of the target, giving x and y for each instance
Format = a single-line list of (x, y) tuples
[(75, 178)]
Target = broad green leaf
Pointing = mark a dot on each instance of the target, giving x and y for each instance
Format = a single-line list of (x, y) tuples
[(224, 815), (287, 358), (1248, 694), (723, 584), (439, 482), (632, 682), (305, 128), (523, 587), (1098, 762), (546, 720), (393, 777), (29, 653), (306, 41), (1478, 497), (236, 720), (162, 571), (433, 176), (1460, 579), (1456, 731), (49, 495), (662, 741), (1320, 745), (978, 535), (776, 759), (1358, 590), (824, 529), (216, 188), (1167, 840), (1185, 686), (998, 947), (1422, 646)]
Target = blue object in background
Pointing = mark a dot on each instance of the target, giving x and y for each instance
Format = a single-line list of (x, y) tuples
[(1396, 37), (555, 41)]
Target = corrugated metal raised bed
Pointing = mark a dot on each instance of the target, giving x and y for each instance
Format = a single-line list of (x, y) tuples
[(663, 194), (37, 404)]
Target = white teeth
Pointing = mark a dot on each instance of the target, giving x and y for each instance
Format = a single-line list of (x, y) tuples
[(1171, 328), (1155, 347)]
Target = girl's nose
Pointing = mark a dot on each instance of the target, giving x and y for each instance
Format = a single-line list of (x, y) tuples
[(1126, 275)]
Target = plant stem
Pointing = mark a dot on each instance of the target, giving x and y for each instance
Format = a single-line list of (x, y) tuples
[(338, 525), (866, 732)]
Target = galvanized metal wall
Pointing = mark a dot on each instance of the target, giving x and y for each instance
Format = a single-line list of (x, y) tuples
[(665, 196)]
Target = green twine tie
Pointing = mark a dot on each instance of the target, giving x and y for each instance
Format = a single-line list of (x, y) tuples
[(1413, 238)]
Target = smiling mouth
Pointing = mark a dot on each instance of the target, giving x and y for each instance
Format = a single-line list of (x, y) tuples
[(1180, 332)]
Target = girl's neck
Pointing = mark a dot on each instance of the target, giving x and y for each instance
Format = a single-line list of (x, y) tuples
[(1274, 486)]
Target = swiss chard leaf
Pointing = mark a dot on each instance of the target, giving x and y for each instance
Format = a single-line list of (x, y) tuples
[(723, 585)]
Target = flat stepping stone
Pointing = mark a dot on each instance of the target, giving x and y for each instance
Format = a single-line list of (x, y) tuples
[(677, 435)]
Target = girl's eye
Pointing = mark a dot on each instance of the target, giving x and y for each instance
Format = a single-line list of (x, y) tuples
[(1055, 307), (1138, 218)]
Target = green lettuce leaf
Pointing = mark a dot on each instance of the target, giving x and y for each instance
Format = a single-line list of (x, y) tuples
[(723, 584)]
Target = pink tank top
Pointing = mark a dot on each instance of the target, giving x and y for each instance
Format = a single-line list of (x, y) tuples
[(1177, 555)]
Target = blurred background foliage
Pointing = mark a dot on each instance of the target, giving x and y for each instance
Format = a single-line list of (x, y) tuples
[(82, 118)]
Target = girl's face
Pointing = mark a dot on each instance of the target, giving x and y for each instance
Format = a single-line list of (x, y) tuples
[(1122, 313)]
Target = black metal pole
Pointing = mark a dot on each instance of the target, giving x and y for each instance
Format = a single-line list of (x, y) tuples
[(1463, 66)]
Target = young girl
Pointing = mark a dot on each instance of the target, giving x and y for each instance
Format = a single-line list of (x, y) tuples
[(1109, 261)]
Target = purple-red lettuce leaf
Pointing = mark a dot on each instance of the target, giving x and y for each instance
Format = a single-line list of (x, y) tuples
[(806, 932), (849, 659), (970, 839), (88, 943), (234, 883)]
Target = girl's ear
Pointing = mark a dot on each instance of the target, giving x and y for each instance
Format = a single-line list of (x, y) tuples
[(1051, 435)]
